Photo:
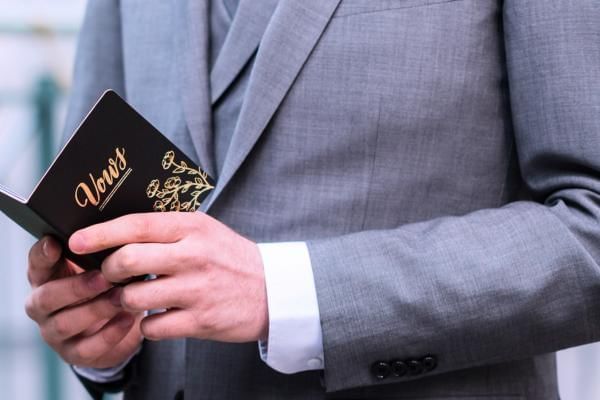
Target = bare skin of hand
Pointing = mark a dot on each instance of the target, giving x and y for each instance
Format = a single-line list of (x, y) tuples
[(79, 313), (210, 280)]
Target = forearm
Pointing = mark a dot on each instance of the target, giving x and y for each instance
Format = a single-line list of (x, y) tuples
[(488, 287)]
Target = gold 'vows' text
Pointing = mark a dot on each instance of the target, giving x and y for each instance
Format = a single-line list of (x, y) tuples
[(92, 191)]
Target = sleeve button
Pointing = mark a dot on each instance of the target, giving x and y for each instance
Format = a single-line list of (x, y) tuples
[(399, 368), (315, 363), (380, 370), (415, 367), (429, 363)]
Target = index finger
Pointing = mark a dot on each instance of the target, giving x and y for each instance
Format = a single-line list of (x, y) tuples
[(132, 228), (58, 294), (42, 261)]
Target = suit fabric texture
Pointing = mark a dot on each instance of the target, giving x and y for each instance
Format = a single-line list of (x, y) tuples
[(440, 157)]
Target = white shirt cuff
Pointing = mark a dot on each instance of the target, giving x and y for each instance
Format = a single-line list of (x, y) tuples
[(295, 341), (105, 375)]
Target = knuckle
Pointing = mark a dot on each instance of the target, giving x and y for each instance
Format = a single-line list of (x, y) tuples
[(176, 256), (191, 250), (40, 301), (60, 327), (78, 287), (100, 237), (48, 335), (117, 266), (81, 353), (181, 222), (102, 309), (176, 231), (173, 225), (204, 323), (208, 326), (147, 331), (110, 267), (111, 336), (129, 299), (30, 308), (195, 220), (142, 224), (152, 330), (187, 253), (127, 258), (45, 333)]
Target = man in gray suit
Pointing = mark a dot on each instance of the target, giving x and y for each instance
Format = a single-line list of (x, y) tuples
[(423, 177)]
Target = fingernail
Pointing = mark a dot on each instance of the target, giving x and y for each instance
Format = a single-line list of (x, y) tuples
[(115, 297), (125, 321), (46, 248)]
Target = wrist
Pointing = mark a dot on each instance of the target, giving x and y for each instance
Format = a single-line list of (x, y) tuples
[(262, 316)]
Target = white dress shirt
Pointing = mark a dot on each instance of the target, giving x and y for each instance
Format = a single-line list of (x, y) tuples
[(295, 340)]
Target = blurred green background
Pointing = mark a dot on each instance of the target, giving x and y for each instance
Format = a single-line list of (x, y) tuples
[(37, 48)]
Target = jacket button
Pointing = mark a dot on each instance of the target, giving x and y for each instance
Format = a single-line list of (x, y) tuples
[(429, 363), (380, 370), (399, 368), (415, 367)]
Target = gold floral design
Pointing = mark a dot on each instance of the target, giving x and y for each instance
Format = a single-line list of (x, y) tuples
[(183, 190)]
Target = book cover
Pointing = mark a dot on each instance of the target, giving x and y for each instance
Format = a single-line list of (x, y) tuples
[(116, 163)]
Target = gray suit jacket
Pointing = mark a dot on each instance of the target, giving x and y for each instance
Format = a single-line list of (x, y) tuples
[(441, 158)]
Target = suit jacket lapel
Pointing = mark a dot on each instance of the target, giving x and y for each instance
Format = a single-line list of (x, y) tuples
[(294, 30), (192, 44), (243, 38)]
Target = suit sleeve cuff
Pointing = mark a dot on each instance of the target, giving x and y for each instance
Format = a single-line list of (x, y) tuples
[(295, 341)]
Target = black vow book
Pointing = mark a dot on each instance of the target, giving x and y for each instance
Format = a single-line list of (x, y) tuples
[(115, 163)]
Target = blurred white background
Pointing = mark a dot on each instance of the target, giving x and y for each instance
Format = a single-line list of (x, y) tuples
[(37, 46)]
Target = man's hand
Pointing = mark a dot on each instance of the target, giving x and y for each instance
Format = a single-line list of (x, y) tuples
[(210, 279), (79, 313)]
